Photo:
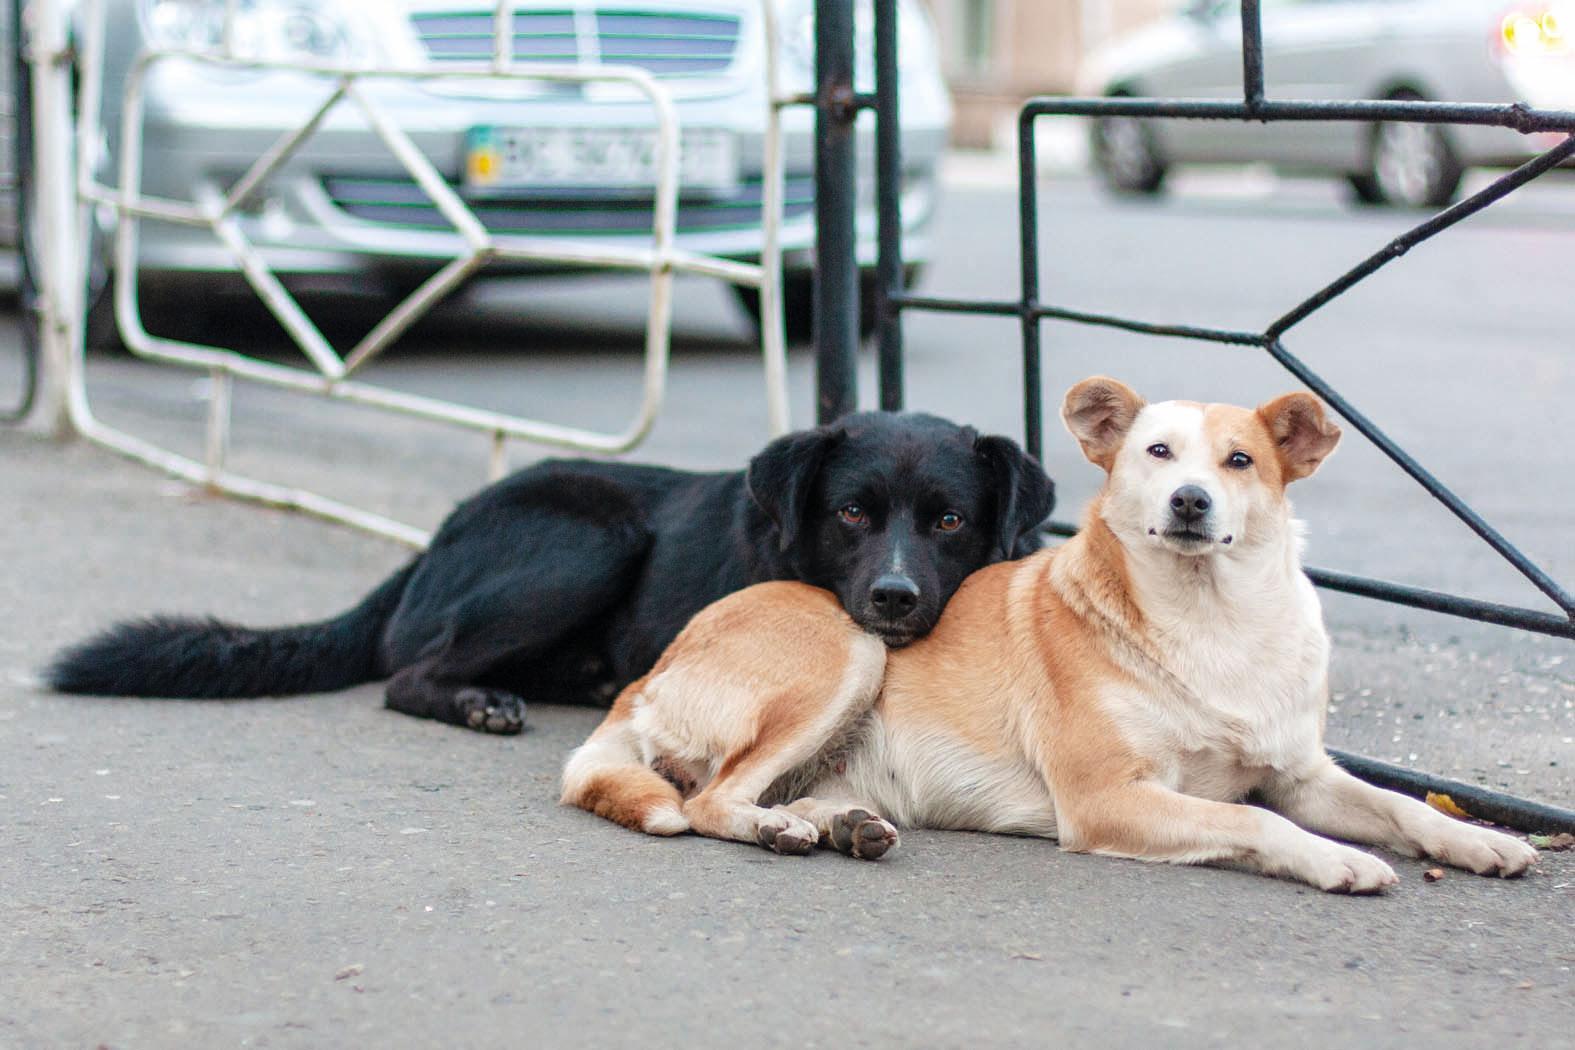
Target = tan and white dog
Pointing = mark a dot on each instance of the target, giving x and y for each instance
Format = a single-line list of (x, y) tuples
[(1122, 693)]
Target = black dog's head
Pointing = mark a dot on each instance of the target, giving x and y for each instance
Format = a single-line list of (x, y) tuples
[(891, 511)]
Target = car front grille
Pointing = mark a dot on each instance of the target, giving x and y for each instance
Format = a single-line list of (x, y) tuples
[(662, 42), (400, 202)]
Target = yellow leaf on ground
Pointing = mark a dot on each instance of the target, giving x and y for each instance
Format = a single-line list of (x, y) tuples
[(1445, 804)]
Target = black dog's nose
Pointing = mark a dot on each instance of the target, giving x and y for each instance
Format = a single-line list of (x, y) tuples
[(1190, 502), (894, 597)]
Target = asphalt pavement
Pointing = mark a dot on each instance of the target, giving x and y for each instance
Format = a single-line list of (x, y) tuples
[(320, 871)]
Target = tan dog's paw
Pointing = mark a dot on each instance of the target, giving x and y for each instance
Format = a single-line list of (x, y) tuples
[(1481, 850), (784, 833), (860, 833), (1342, 869)]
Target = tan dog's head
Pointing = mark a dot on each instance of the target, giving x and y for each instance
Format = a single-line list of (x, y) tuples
[(1196, 479)]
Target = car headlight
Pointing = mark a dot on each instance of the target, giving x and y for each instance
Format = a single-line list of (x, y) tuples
[(268, 30), (796, 19), (1535, 32)]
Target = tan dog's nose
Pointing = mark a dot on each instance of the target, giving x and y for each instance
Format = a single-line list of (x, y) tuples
[(1190, 502)]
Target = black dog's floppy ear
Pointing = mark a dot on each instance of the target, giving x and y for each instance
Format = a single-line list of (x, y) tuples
[(1024, 494), (781, 476)]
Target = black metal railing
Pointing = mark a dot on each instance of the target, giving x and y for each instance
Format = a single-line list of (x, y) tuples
[(22, 165), (837, 307)]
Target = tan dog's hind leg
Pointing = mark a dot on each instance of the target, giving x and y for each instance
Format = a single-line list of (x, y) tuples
[(1148, 821), (1331, 801), (847, 827), (607, 776), (791, 728)]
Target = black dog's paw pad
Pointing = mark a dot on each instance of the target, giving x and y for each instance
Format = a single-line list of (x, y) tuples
[(491, 710), (860, 833)]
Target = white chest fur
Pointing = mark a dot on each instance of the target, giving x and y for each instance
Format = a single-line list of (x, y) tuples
[(1237, 683)]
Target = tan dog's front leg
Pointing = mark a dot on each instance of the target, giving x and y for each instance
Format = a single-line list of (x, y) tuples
[(847, 827), (1331, 801), (1147, 821)]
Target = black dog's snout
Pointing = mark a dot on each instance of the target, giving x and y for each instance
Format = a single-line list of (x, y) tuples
[(894, 597), (1190, 502)]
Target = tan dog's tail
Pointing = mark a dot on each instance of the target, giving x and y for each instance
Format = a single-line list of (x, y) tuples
[(606, 776)]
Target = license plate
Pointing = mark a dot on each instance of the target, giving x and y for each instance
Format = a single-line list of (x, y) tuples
[(503, 159)]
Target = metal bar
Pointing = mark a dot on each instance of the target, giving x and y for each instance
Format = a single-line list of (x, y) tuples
[(60, 264), (22, 161), (502, 36), (242, 487), (264, 167), (412, 308), (280, 302), (1028, 305), (1403, 459), (1517, 115), (1416, 597), (1507, 810), (836, 280), (218, 446), (498, 456), (1442, 602), (1251, 54), (1178, 331), (1012, 308), (1001, 307), (1497, 190), (427, 177), (773, 332), (888, 206)]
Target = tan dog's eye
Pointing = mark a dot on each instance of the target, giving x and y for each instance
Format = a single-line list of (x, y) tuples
[(853, 514), (1159, 450), (951, 521), (1239, 459)]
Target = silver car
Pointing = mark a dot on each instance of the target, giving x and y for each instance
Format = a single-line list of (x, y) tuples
[(1445, 50), (535, 158)]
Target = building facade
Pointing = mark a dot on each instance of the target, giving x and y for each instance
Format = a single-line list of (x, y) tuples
[(996, 53)]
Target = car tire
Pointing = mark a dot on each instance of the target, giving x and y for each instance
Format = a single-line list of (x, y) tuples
[(101, 332), (1412, 165), (1364, 190), (1126, 155), (798, 303)]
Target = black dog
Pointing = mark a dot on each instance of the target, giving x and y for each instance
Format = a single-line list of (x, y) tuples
[(566, 580)]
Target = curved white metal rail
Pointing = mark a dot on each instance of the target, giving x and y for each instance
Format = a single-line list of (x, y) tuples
[(66, 223)]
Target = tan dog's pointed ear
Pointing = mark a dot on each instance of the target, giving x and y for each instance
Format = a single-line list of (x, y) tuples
[(1302, 432), (1099, 411)]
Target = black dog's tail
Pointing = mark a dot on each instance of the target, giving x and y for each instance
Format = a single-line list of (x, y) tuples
[(190, 658)]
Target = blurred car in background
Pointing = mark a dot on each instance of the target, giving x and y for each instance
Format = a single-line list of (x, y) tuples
[(1444, 50), (535, 158)]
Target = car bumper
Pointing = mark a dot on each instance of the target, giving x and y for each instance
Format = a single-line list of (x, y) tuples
[(345, 205)]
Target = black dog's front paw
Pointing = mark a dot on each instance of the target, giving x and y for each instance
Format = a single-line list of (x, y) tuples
[(490, 710)]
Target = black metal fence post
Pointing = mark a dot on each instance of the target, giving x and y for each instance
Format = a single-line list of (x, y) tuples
[(836, 285), (888, 205), (1028, 305), (22, 161)]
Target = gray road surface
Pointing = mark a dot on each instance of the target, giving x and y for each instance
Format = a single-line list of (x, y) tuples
[(320, 872)]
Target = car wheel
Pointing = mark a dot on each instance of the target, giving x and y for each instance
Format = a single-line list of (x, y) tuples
[(1413, 165), (1364, 189), (798, 303), (1126, 155)]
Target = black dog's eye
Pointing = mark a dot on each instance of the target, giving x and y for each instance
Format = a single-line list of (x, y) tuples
[(853, 514), (1239, 459), (1159, 450), (951, 521)]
